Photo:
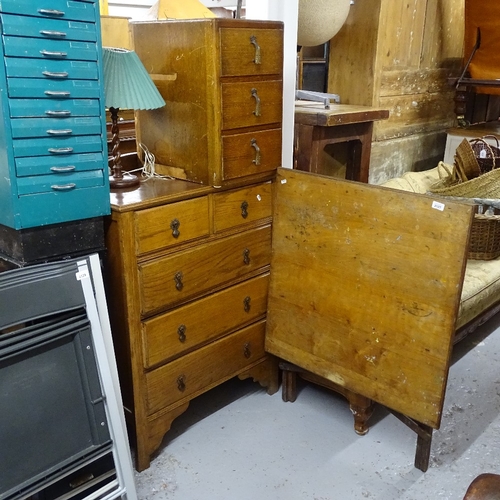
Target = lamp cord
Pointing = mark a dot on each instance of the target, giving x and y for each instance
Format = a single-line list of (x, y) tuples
[(148, 169)]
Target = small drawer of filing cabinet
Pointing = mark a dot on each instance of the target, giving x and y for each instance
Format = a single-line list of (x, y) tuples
[(222, 81), (53, 134), (188, 271)]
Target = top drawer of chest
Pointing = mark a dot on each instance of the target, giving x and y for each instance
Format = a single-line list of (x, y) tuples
[(242, 206), (170, 225), (76, 10), (251, 51)]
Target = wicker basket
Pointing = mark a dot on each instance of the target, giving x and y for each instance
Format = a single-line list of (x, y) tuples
[(484, 243), (484, 193), (465, 165), (484, 186), (487, 156)]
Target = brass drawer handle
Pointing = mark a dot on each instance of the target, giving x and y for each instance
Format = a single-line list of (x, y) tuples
[(246, 350), (255, 95), (181, 331), (51, 12), (246, 304), (246, 256), (254, 145), (50, 53), (174, 226), (181, 383), (253, 41), (178, 281), (244, 209), (55, 74)]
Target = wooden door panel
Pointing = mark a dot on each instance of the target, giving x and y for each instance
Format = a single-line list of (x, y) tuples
[(365, 287)]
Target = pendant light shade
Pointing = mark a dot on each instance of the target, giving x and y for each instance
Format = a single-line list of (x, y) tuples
[(320, 20)]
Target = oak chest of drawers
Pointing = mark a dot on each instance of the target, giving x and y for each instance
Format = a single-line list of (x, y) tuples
[(188, 270), (53, 154), (222, 82)]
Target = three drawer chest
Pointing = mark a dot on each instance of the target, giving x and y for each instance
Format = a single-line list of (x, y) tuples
[(222, 80)]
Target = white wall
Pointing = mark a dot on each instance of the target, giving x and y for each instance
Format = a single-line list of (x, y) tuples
[(286, 11), (221, 3), (135, 9)]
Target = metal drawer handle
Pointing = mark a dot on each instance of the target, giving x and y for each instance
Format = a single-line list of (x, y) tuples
[(247, 352), (181, 331), (63, 187), (50, 53), (255, 95), (246, 304), (69, 168), (58, 34), (64, 131), (51, 12), (58, 113), (181, 383), (60, 151), (246, 256), (174, 226), (178, 281), (53, 74), (253, 41), (57, 93), (244, 209), (254, 145)]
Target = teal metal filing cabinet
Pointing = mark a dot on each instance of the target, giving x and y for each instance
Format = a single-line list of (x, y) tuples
[(53, 149)]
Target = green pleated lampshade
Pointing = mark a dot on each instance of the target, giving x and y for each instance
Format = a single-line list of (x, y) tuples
[(127, 84)]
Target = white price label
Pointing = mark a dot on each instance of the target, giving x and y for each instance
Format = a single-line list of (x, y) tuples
[(438, 205), (81, 275)]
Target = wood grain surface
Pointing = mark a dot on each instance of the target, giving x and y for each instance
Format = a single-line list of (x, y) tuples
[(365, 287)]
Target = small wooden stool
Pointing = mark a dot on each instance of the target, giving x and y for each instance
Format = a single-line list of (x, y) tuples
[(484, 487), (317, 127)]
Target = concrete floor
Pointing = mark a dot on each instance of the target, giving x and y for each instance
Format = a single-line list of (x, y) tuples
[(238, 443)]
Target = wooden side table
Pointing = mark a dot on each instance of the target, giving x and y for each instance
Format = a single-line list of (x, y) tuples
[(317, 127)]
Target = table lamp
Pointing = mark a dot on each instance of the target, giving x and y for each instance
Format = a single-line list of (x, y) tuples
[(127, 85)]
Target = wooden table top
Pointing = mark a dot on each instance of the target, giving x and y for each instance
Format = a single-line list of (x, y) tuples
[(314, 113), (153, 192), (157, 191)]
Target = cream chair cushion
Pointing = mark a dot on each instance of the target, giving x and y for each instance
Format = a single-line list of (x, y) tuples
[(481, 286)]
